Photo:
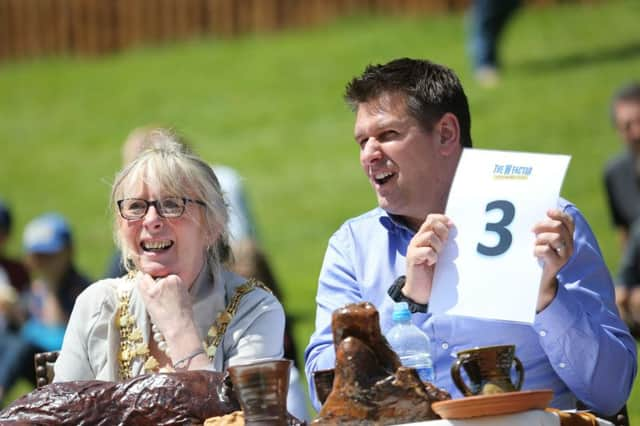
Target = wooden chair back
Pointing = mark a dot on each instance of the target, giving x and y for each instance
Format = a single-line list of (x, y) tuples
[(43, 362)]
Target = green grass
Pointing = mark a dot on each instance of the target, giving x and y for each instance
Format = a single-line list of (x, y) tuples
[(271, 106)]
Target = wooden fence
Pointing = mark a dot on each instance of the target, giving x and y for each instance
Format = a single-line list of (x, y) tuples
[(30, 28)]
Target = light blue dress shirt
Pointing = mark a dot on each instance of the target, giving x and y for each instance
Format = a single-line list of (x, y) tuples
[(578, 346)]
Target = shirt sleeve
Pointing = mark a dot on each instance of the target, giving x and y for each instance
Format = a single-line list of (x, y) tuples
[(73, 362), (337, 287), (258, 332), (585, 340)]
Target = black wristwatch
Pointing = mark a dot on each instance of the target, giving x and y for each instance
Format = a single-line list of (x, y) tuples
[(395, 292)]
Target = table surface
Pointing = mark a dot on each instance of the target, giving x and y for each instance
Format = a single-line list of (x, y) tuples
[(526, 418)]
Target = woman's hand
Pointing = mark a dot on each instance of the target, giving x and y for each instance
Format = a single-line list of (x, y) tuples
[(169, 305), (422, 254), (554, 247), (167, 301)]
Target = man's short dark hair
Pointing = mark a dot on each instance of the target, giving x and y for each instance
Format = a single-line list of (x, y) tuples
[(430, 90), (630, 92)]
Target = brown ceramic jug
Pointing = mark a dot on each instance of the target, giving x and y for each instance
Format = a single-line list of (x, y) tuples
[(488, 369)]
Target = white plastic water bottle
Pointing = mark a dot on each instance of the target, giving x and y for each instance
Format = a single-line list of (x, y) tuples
[(410, 343)]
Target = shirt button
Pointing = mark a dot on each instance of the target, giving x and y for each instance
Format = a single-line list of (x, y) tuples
[(445, 345), (562, 365), (543, 333)]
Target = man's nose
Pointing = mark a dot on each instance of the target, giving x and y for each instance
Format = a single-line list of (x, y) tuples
[(371, 152)]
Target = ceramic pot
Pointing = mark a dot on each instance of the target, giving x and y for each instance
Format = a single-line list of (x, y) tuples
[(261, 388)]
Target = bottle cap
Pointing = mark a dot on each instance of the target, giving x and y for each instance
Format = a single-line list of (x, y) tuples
[(401, 311)]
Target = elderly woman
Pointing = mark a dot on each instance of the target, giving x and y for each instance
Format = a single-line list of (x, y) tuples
[(178, 308)]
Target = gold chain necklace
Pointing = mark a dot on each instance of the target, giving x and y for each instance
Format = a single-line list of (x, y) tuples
[(132, 345)]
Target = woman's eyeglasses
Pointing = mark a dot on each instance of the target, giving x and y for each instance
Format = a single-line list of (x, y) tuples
[(171, 207)]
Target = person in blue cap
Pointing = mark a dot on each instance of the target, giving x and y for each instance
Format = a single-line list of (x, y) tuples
[(55, 283)]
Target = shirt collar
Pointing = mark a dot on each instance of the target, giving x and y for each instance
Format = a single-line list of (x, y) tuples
[(393, 223)]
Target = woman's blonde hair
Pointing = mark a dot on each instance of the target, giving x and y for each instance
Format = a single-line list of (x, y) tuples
[(167, 162)]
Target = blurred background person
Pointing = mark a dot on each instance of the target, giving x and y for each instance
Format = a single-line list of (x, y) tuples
[(8, 302), (628, 282), (12, 348), (622, 182), (622, 172), (15, 269), (55, 281), (487, 21), (14, 279), (247, 258)]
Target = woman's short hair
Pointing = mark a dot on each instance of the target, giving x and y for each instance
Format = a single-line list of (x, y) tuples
[(178, 172)]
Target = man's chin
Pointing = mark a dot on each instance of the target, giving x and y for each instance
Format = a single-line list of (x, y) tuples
[(384, 203), (389, 207)]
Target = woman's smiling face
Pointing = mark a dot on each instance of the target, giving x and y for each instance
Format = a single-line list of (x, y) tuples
[(161, 246)]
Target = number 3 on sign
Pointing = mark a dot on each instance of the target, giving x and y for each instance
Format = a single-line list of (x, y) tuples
[(500, 228)]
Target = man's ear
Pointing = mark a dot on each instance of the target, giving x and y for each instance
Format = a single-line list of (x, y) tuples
[(448, 130)]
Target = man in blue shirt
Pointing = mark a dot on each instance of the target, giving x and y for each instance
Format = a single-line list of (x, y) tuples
[(412, 122)]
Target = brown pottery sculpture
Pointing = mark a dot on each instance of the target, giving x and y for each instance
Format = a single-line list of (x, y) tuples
[(323, 382), (369, 385)]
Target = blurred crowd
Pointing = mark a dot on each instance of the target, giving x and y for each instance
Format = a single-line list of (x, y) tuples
[(37, 293)]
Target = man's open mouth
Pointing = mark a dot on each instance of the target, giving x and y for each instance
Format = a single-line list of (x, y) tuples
[(383, 177)]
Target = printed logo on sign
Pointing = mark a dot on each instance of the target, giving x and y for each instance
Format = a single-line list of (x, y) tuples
[(510, 171)]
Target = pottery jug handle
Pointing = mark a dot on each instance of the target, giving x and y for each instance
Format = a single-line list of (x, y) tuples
[(520, 370), (224, 389), (455, 375)]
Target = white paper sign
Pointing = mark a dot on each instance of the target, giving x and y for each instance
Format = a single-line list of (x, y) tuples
[(488, 269)]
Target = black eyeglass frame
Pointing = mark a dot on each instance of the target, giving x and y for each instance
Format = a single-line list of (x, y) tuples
[(156, 204)]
